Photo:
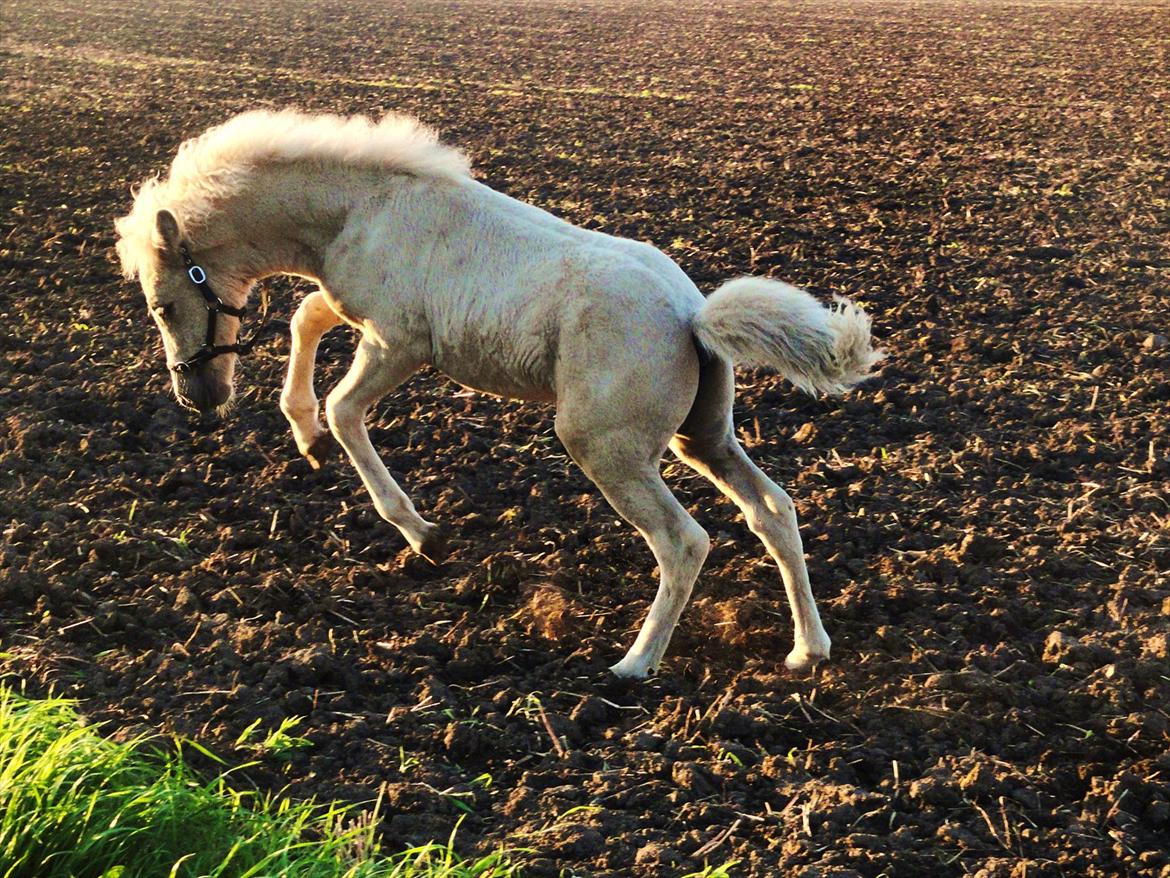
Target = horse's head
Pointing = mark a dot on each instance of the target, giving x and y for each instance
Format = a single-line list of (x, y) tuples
[(189, 302)]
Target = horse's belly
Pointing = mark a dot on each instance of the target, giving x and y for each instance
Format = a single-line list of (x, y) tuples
[(515, 373), (507, 389)]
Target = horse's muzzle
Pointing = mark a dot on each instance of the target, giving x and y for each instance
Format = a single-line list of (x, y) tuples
[(202, 389)]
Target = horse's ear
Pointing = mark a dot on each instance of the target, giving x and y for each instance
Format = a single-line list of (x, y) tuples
[(166, 232)]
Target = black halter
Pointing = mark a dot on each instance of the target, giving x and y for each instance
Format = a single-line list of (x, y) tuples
[(215, 306)]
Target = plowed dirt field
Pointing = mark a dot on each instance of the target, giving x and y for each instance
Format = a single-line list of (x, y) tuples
[(987, 522)]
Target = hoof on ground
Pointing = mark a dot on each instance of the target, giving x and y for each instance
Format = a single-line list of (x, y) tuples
[(323, 448), (803, 660), (434, 545), (627, 669)]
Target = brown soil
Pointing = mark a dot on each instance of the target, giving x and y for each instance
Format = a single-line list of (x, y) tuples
[(986, 523)]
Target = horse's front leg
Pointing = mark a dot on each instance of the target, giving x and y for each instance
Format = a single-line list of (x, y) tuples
[(298, 401), (376, 371)]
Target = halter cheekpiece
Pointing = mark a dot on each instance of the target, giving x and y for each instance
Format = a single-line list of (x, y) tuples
[(215, 306)]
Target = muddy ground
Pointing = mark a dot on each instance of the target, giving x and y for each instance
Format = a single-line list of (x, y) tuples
[(987, 523)]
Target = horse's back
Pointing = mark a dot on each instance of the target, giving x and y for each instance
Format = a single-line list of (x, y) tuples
[(517, 302)]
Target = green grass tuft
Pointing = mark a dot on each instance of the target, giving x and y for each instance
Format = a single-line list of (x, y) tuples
[(74, 804)]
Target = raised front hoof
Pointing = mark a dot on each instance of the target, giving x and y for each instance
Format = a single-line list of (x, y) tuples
[(801, 661), (632, 669), (434, 545), (323, 448)]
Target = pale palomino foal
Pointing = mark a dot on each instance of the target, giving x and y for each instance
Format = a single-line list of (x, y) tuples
[(435, 268)]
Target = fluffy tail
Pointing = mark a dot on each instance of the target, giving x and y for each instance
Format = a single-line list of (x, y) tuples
[(758, 322)]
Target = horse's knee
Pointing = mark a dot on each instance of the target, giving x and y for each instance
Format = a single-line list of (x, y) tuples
[(772, 515), (778, 502), (294, 407), (313, 307), (302, 319), (313, 318)]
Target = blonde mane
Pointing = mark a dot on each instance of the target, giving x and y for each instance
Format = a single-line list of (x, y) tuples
[(217, 163)]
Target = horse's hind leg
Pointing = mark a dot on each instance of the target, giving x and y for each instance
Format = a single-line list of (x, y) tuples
[(298, 401), (706, 441), (619, 444), (374, 373), (637, 493)]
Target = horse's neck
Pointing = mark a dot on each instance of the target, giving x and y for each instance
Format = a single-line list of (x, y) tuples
[(288, 215)]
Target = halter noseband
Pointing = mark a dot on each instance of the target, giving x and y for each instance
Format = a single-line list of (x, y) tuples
[(215, 305)]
